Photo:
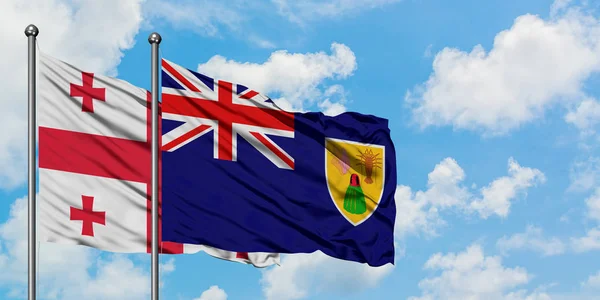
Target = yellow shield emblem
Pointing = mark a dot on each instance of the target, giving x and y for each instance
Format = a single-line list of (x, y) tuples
[(355, 175)]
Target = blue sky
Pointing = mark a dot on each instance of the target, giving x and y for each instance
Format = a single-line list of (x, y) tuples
[(493, 111)]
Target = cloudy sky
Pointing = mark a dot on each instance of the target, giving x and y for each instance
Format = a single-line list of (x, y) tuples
[(493, 108)]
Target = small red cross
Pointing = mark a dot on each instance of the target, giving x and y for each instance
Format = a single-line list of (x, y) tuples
[(88, 216), (88, 92)]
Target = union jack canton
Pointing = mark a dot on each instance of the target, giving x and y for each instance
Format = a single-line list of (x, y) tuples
[(202, 104)]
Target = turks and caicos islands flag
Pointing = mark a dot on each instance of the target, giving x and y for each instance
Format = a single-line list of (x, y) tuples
[(95, 165), (241, 174)]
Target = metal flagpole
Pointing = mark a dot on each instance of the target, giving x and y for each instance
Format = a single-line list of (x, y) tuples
[(154, 40), (31, 32)]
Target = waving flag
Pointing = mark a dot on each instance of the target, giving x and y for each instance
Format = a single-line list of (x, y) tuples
[(243, 175), (95, 160)]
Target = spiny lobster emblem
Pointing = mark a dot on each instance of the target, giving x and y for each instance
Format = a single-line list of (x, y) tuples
[(368, 161)]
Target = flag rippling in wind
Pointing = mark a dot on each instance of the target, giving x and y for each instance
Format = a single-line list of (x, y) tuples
[(243, 175)]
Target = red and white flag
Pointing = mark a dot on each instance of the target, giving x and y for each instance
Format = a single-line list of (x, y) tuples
[(95, 165)]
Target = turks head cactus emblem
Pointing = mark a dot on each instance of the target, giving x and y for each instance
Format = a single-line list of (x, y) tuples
[(355, 175), (354, 200)]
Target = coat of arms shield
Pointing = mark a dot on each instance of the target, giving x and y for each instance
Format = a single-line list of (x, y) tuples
[(355, 175)]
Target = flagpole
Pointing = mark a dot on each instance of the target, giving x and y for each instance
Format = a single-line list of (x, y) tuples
[(31, 32), (154, 39)]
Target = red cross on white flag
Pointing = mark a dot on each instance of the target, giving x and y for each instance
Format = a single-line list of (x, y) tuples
[(94, 160), (88, 216), (87, 92)]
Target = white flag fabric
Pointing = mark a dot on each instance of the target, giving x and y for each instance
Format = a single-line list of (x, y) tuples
[(95, 165)]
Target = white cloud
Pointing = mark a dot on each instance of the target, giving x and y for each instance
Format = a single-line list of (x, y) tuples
[(201, 16), (525, 295), (301, 11), (591, 241), (300, 88), (585, 117), (593, 282), (415, 215), (428, 52), (420, 211), (472, 275), (261, 42), (584, 175), (167, 267), (587, 243), (300, 275), (331, 108), (558, 6), (118, 278), (589, 290), (210, 17), (593, 205), (443, 184), (67, 272), (334, 103), (532, 66), (76, 31), (213, 19), (497, 195), (532, 239), (213, 293)]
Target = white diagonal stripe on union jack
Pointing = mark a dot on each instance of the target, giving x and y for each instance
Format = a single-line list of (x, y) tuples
[(192, 128), (203, 104)]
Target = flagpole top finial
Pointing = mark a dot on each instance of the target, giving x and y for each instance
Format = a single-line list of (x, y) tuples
[(31, 30), (154, 38)]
